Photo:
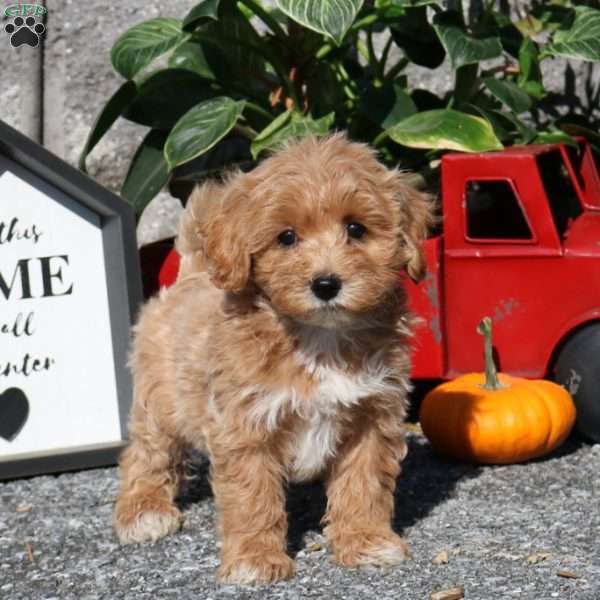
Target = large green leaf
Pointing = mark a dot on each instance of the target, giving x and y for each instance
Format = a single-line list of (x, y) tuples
[(582, 40), (112, 110), (508, 93), (233, 50), (445, 129), (287, 128), (330, 17), (141, 44), (201, 128), (207, 10), (463, 48), (191, 56), (165, 96), (148, 172), (417, 38)]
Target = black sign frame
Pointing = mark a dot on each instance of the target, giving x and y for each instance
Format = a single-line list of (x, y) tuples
[(123, 283)]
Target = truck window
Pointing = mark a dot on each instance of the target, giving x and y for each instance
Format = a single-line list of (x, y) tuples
[(494, 212), (564, 203)]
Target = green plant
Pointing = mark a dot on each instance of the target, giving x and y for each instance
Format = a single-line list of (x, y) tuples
[(240, 78)]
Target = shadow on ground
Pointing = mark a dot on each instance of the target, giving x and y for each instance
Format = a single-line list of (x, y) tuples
[(195, 486), (426, 481)]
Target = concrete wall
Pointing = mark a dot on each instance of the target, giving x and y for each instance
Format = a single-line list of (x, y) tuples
[(54, 92)]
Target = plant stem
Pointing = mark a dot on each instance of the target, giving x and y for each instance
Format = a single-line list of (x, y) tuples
[(491, 374), (247, 132), (372, 55), (349, 84), (384, 57), (266, 18), (364, 51), (396, 69)]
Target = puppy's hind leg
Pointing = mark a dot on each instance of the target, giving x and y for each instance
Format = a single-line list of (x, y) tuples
[(150, 467)]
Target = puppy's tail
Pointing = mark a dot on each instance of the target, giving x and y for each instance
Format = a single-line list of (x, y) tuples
[(201, 206)]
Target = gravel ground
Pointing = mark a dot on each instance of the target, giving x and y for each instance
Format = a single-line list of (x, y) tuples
[(507, 532)]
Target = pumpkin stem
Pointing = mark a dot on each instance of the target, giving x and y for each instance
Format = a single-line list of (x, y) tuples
[(491, 373)]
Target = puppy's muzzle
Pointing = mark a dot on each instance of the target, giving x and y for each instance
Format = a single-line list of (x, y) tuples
[(327, 287)]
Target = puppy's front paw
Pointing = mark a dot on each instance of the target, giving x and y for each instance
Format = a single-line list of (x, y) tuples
[(370, 549), (266, 568), (147, 523)]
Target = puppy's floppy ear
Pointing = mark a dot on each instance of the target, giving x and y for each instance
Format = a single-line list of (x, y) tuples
[(200, 208), (213, 233), (417, 216)]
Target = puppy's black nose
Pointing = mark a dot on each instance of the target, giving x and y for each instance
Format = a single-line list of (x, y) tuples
[(326, 287)]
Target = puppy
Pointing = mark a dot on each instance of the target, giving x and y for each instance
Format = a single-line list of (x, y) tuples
[(282, 351)]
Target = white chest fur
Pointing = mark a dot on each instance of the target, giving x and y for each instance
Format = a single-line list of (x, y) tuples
[(312, 446), (314, 443)]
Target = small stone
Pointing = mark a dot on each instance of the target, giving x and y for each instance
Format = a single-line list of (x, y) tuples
[(567, 574), (441, 558), (533, 559), (455, 593)]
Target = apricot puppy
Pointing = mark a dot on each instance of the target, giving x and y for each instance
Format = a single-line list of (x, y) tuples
[(281, 351)]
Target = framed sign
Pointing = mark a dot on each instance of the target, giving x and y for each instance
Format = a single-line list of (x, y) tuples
[(69, 290)]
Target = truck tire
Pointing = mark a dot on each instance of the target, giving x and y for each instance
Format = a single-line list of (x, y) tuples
[(578, 369)]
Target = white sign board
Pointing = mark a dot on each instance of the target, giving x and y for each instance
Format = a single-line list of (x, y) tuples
[(61, 379)]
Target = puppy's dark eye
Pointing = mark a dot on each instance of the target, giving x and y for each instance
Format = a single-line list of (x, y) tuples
[(287, 237), (356, 230)]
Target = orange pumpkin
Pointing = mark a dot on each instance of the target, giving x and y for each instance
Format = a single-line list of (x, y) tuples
[(495, 418)]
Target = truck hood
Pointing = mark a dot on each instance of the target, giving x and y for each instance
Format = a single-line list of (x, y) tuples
[(583, 237)]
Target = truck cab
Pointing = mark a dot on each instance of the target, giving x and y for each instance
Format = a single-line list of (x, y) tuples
[(520, 243)]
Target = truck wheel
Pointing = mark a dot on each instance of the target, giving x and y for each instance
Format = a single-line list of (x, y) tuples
[(578, 369)]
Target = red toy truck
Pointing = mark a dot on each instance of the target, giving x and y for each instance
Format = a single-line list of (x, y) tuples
[(520, 243)]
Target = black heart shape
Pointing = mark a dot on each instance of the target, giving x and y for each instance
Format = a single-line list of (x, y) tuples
[(14, 410)]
